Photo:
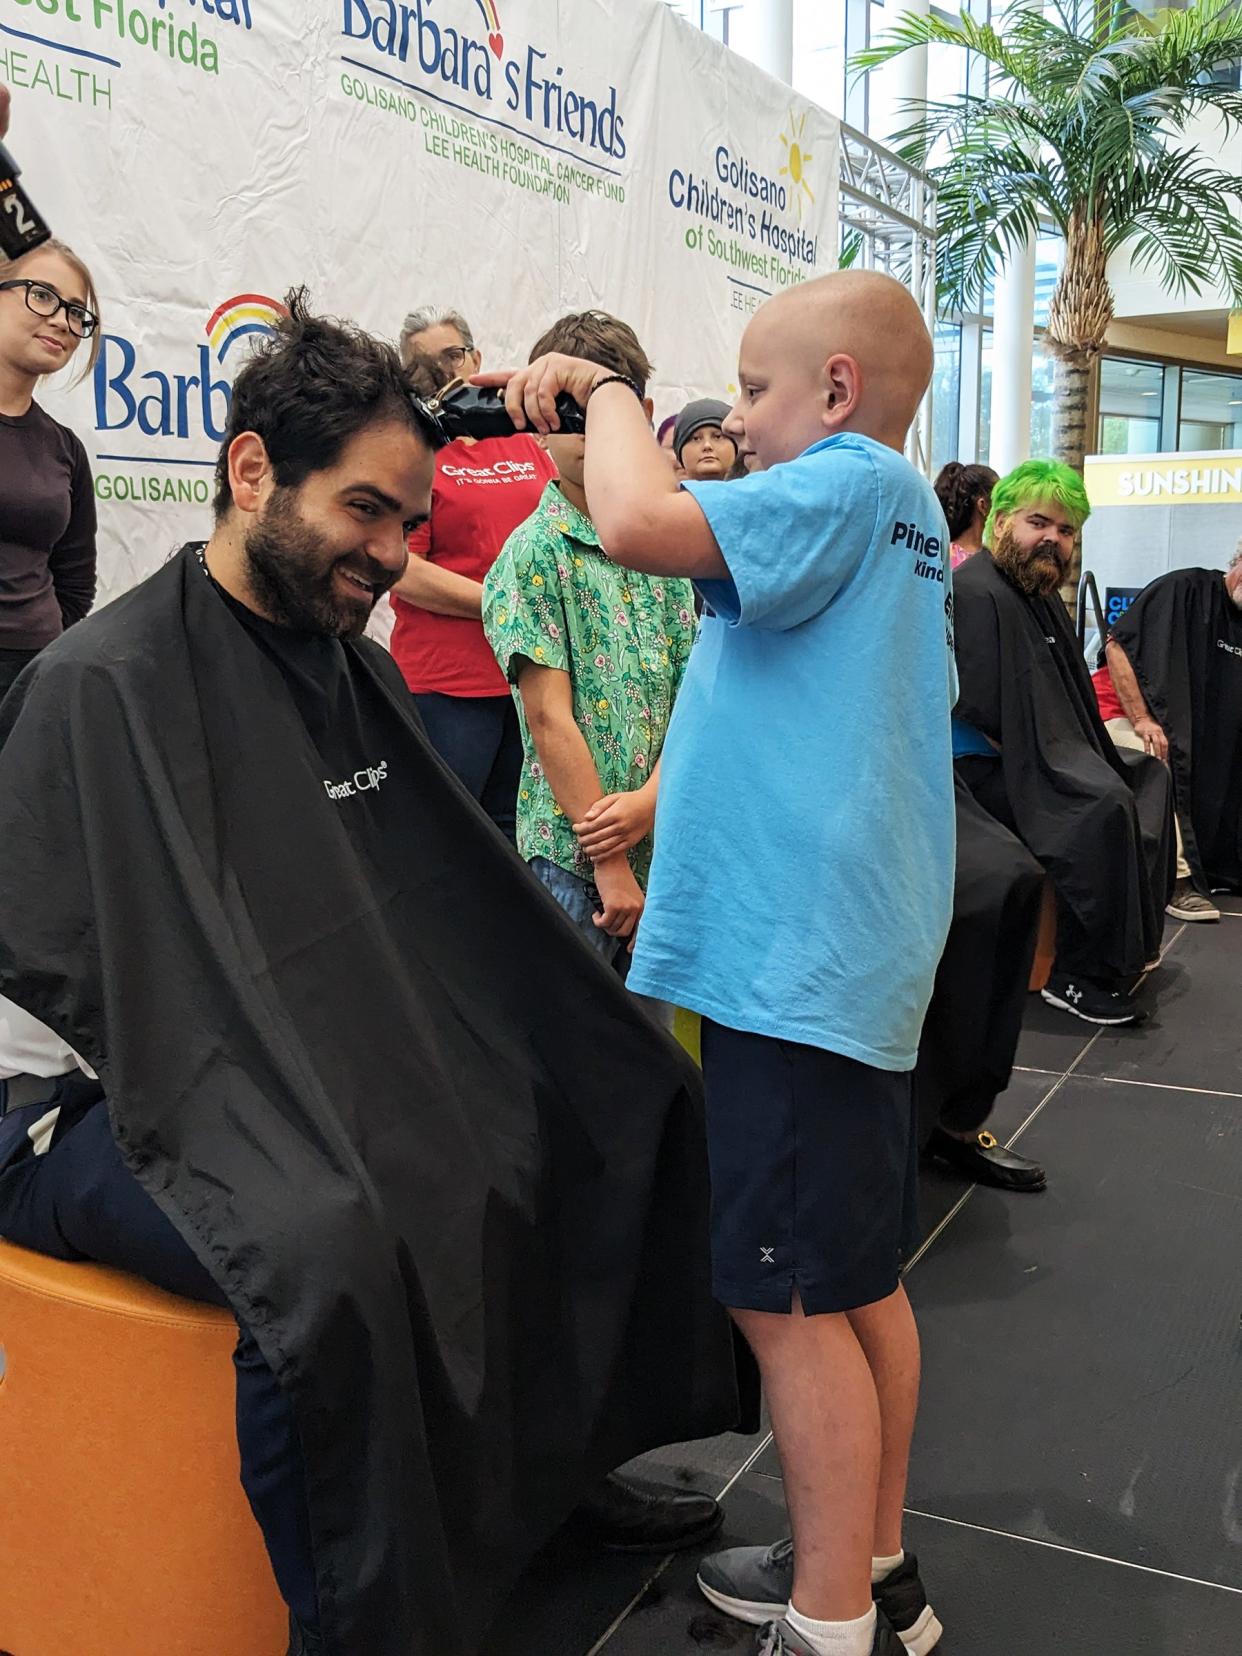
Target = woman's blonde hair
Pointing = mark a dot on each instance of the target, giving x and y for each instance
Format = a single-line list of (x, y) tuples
[(88, 282)]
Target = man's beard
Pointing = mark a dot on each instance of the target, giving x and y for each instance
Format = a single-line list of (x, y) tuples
[(1037, 570), (291, 570)]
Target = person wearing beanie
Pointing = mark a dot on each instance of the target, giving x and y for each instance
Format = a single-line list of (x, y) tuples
[(703, 451)]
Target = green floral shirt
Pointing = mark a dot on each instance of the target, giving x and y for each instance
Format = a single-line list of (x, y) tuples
[(553, 598)]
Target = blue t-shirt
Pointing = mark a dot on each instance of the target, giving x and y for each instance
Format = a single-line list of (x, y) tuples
[(803, 877), (970, 743)]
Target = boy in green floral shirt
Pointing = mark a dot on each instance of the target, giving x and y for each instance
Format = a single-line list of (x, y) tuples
[(595, 655)]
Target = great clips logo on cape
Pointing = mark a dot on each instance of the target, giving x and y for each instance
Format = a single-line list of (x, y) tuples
[(460, 44), (176, 407)]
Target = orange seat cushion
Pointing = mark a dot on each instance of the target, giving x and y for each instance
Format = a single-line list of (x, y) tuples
[(124, 1530)]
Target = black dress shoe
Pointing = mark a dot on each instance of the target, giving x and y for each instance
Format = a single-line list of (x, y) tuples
[(986, 1161), (626, 1516)]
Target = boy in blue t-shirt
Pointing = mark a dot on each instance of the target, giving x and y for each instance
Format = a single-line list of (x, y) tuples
[(800, 899)]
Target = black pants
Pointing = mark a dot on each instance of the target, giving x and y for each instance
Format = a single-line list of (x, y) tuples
[(80, 1202), (1076, 955), (970, 1036), (480, 740)]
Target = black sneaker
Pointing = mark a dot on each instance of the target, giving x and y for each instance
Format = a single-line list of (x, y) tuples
[(753, 1584), (1089, 1001), (777, 1638)]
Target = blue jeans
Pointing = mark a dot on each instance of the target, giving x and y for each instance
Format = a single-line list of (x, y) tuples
[(480, 740), (582, 902), (80, 1202)]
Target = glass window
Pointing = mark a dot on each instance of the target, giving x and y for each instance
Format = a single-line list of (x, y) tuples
[(985, 399), (1131, 393), (820, 54), (1049, 260), (1211, 414), (946, 394), (1043, 379)]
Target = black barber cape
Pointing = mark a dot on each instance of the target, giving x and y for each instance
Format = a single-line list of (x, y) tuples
[(443, 1166), (1183, 636), (970, 1034), (1099, 821)]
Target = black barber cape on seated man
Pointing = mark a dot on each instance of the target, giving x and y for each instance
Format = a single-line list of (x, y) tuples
[(358, 1078), (1176, 662), (1099, 821)]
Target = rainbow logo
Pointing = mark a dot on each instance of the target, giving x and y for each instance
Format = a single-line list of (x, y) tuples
[(491, 21), (244, 313)]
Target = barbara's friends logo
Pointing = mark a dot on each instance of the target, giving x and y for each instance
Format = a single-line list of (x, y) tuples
[(437, 41)]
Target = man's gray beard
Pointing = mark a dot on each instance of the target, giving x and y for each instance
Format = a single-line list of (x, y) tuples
[(1007, 556)]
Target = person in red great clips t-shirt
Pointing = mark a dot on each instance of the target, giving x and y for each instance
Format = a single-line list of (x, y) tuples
[(482, 491)]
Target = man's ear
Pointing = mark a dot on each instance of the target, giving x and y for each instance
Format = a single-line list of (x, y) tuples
[(250, 471)]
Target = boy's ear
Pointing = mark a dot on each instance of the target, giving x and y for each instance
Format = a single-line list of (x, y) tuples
[(649, 410)]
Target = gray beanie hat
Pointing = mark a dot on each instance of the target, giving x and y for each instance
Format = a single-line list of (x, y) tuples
[(694, 416)]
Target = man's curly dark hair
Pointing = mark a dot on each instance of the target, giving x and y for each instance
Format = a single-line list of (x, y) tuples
[(308, 391)]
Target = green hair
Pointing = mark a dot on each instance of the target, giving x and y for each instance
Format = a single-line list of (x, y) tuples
[(1036, 480)]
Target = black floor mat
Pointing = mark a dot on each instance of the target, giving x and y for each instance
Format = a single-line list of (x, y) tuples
[(996, 1595), (1193, 1037), (1082, 1352)]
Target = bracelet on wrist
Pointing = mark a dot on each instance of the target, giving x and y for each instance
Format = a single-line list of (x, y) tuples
[(617, 379)]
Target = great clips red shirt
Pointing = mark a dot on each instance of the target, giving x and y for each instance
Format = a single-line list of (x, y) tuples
[(482, 491)]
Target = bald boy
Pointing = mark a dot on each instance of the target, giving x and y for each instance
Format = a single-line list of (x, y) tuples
[(800, 899)]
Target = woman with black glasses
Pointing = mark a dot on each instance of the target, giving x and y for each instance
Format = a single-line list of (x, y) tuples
[(47, 502)]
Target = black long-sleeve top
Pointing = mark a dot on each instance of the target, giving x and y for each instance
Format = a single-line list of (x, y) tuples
[(47, 530)]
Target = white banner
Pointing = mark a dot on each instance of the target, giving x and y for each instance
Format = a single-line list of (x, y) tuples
[(513, 159)]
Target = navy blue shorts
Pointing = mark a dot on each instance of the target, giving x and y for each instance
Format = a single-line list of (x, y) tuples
[(814, 1174)]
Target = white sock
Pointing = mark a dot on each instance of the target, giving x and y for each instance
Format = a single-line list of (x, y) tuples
[(851, 1638), (882, 1567)]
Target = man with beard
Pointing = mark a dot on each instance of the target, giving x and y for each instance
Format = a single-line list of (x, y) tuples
[(1030, 745), (1175, 659), (465, 1243)]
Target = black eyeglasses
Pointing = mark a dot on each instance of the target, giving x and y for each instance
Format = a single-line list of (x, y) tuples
[(452, 356), (45, 301)]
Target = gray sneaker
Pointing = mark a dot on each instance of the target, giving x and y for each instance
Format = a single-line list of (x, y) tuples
[(1185, 903), (779, 1639), (754, 1584)]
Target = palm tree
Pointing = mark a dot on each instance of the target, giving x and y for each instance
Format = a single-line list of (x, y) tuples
[(1083, 123)]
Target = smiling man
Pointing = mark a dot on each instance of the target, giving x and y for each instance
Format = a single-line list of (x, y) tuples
[(1029, 743), (464, 1244)]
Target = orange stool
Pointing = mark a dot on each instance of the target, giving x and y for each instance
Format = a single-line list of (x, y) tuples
[(124, 1530), (1046, 940)]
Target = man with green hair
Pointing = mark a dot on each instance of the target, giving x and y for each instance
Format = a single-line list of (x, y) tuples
[(1029, 743)]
